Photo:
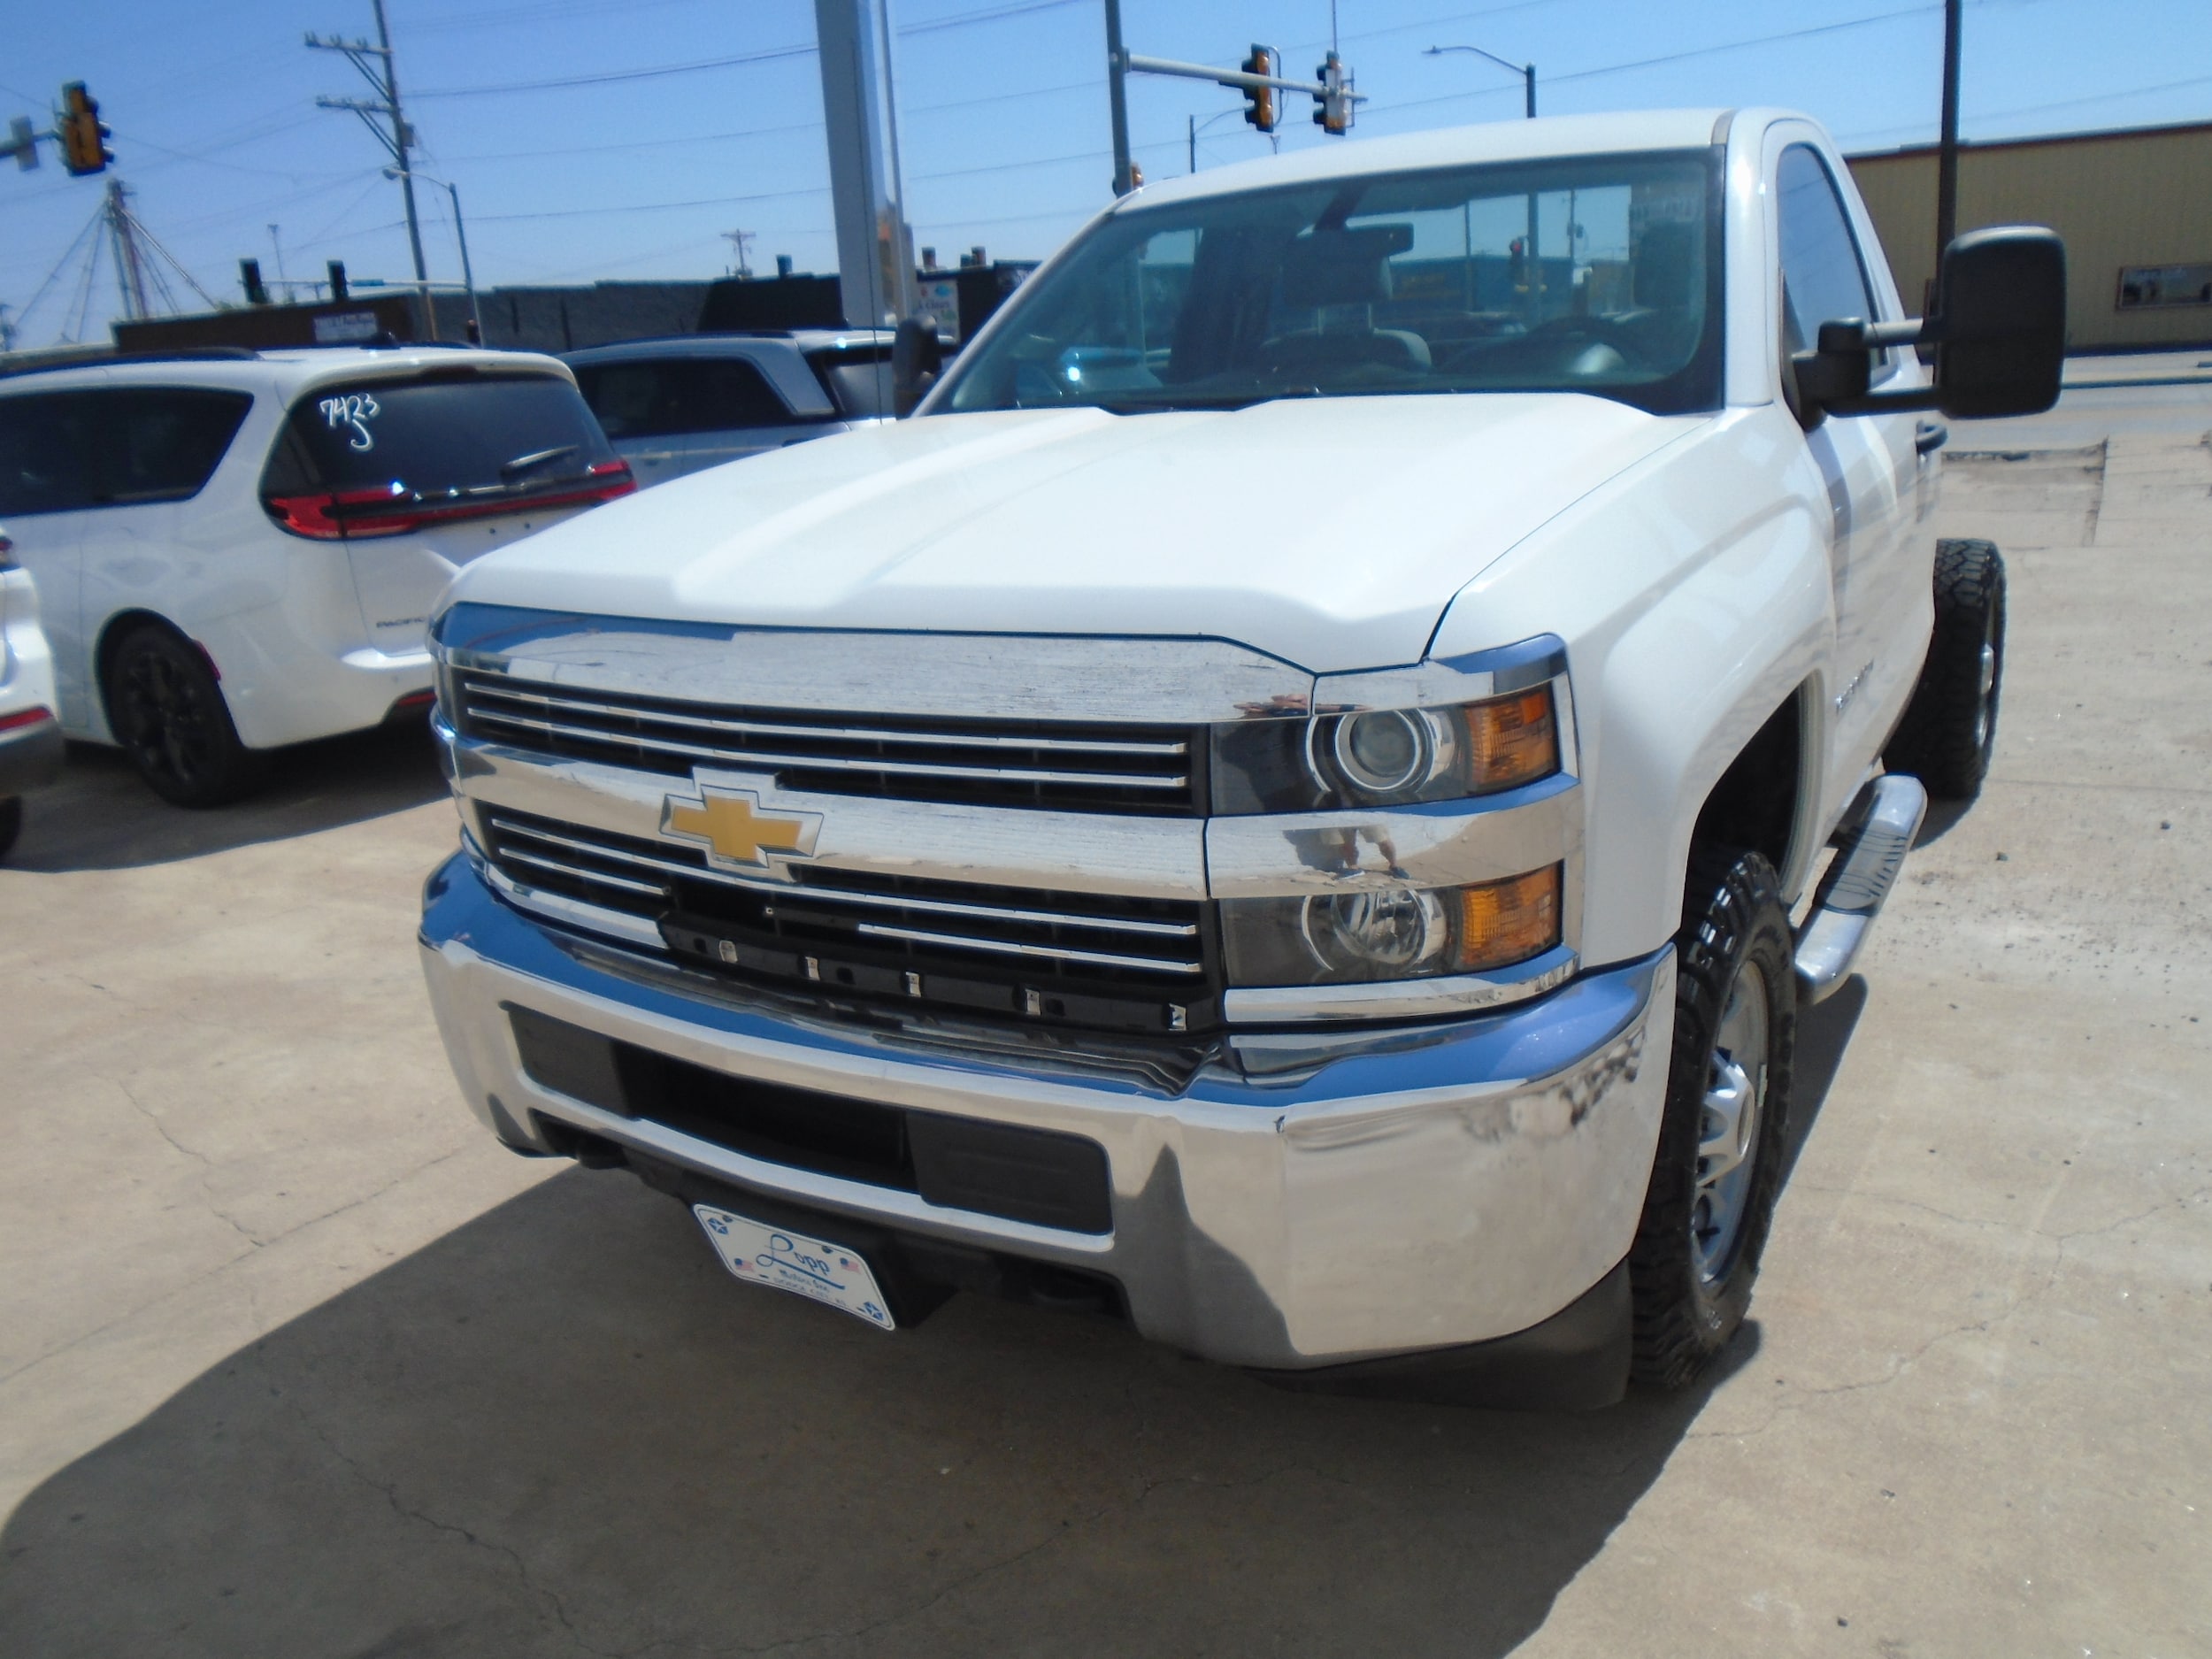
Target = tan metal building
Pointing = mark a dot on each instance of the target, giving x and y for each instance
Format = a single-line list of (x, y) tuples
[(2135, 208)]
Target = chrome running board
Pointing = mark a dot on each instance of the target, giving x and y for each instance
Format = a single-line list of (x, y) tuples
[(1852, 893)]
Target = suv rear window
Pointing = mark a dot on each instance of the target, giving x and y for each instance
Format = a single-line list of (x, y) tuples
[(669, 397), (380, 457)]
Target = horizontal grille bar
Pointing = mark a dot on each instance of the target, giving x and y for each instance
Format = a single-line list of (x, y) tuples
[(1152, 770), (765, 760), (878, 930), (479, 690)]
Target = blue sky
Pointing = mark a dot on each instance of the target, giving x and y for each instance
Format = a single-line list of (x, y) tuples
[(1002, 113)]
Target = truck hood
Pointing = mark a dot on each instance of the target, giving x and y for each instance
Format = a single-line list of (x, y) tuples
[(1329, 532)]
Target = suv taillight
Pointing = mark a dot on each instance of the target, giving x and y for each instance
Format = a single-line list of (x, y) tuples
[(331, 515)]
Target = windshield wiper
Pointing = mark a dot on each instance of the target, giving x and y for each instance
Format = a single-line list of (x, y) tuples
[(536, 458)]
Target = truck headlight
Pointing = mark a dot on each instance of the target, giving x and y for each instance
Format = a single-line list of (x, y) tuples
[(1364, 935), (1386, 757)]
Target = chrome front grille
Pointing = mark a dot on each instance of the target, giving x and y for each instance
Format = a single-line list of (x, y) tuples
[(1081, 959), (1137, 769)]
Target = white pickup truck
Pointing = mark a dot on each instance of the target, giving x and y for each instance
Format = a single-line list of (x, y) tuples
[(1292, 801)]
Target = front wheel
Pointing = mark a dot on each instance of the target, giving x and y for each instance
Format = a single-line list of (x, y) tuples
[(169, 715), (1718, 1168)]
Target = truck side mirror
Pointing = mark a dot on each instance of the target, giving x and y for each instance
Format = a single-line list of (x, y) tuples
[(915, 357), (1999, 333), (2001, 316)]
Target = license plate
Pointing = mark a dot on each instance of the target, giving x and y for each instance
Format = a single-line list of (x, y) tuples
[(803, 1266)]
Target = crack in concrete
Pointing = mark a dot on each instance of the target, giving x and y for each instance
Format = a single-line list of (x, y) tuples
[(389, 1491), (223, 1266), (206, 1164), (1067, 1531), (1901, 1365)]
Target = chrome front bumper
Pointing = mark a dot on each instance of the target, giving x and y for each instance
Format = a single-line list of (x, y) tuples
[(1304, 1199)]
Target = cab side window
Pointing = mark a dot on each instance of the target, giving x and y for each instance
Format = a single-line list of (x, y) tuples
[(47, 451), (1823, 275), (163, 443)]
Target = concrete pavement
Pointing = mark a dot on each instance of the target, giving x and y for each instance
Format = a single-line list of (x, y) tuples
[(293, 1362)]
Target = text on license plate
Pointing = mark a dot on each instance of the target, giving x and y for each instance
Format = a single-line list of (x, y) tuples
[(805, 1266)]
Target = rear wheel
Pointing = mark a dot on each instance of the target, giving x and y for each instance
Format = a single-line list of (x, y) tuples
[(10, 823), (1950, 727), (1718, 1167), (169, 715)]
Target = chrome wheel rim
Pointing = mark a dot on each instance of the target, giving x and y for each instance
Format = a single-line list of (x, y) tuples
[(1988, 683), (1728, 1125)]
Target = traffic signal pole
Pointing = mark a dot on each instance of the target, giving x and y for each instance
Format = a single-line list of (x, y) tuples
[(1332, 93)]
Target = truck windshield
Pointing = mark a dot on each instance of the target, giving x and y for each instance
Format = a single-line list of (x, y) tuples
[(1596, 274)]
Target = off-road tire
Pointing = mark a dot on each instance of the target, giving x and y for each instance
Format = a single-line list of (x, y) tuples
[(10, 823), (168, 713), (1950, 726), (1733, 920)]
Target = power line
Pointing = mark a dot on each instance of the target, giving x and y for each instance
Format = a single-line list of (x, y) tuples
[(989, 14), (661, 142), (2040, 109), (1681, 56), (610, 77)]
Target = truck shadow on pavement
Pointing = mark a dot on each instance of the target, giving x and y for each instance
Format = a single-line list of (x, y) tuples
[(100, 816), (561, 1426)]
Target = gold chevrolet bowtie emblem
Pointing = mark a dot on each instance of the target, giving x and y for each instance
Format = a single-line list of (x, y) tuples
[(736, 834)]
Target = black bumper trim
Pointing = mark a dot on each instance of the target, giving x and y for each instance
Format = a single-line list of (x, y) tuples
[(1575, 1361)]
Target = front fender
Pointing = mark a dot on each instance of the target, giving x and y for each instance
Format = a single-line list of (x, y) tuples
[(1695, 595)]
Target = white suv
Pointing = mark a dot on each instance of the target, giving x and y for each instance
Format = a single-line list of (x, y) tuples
[(238, 550), (30, 738)]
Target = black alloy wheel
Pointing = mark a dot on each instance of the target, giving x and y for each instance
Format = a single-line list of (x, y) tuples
[(1722, 1135), (169, 715)]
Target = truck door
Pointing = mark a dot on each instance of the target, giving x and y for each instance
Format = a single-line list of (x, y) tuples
[(1869, 461)]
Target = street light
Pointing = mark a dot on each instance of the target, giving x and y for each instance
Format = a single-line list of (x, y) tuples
[(468, 276), (1527, 72), (1198, 127)]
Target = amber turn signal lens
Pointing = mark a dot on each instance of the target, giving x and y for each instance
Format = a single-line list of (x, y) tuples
[(1512, 741), (1508, 921)]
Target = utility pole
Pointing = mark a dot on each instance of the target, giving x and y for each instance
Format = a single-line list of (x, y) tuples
[(130, 272), (1948, 150), (384, 79), (739, 240)]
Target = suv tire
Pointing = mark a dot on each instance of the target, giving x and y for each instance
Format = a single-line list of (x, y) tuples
[(1950, 726), (169, 715), (10, 823), (1722, 1135)]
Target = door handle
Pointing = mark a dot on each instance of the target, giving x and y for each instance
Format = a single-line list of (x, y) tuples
[(1930, 436)]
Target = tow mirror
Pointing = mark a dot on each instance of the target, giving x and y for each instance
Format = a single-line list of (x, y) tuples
[(915, 357), (2002, 306), (1999, 333)]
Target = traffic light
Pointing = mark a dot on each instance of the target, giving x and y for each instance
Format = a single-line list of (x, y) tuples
[(83, 134), (1333, 106), (1259, 107)]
